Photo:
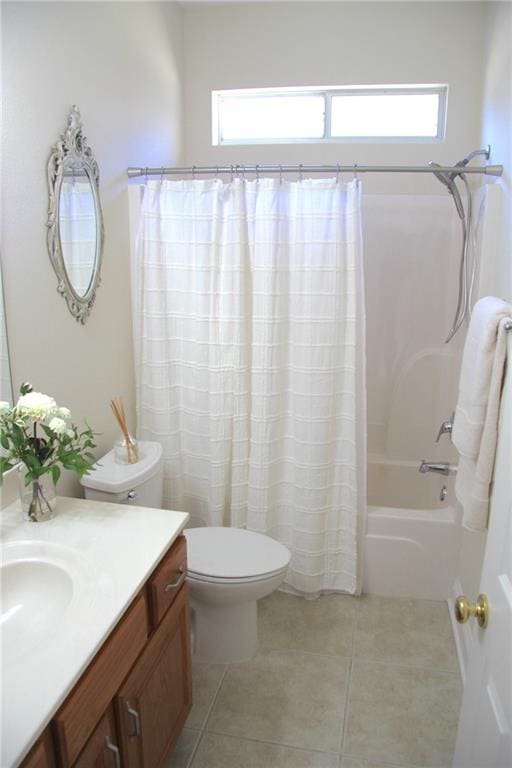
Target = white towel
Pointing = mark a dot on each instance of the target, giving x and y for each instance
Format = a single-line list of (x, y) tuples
[(475, 427)]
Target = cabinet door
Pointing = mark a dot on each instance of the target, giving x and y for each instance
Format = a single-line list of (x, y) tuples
[(41, 755), (101, 751), (155, 699)]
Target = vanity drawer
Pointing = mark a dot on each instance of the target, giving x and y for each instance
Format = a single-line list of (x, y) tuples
[(77, 718), (167, 580)]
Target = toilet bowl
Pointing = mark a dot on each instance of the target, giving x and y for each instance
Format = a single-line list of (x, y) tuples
[(229, 569)]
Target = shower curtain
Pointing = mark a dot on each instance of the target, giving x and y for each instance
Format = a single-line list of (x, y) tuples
[(249, 350)]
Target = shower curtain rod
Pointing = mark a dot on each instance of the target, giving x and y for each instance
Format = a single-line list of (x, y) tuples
[(355, 168)]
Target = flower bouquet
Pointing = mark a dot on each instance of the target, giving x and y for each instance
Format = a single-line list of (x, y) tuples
[(36, 434)]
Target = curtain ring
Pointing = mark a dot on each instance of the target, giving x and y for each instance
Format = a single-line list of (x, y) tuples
[(146, 173), (217, 172), (355, 172), (161, 175), (337, 173), (193, 172), (280, 174), (232, 172), (243, 172), (300, 172), (257, 173)]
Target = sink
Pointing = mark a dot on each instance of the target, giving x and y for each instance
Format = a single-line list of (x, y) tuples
[(39, 584), (34, 594)]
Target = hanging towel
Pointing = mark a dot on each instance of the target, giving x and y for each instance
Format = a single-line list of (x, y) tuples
[(475, 428)]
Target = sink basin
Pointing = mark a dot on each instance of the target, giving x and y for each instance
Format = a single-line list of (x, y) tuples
[(34, 594), (38, 585)]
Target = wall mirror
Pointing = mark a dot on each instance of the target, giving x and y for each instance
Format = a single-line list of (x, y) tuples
[(75, 223), (5, 367)]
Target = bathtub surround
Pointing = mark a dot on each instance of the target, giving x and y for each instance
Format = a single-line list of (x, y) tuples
[(249, 345)]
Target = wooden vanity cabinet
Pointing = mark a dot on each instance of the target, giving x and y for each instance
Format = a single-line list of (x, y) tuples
[(129, 706), (101, 750), (42, 753), (155, 699)]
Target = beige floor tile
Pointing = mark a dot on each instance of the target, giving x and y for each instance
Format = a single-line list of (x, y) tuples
[(355, 762), (415, 632), (351, 762), (292, 698), (318, 626), (400, 715), (217, 751), (182, 752), (205, 683)]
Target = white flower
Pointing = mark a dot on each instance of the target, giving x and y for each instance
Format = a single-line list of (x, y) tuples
[(36, 405), (64, 413), (4, 406), (58, 425), (70, 433)]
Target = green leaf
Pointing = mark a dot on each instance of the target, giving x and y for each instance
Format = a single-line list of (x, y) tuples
[(55, 472)]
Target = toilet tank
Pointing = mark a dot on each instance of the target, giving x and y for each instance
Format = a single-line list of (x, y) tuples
[(139, 483)]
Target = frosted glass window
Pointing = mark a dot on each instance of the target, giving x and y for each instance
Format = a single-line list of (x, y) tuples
[(329, 114), (243, 118), (385, 114)]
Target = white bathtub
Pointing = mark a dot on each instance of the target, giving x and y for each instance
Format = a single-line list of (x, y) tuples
[(412, 538)]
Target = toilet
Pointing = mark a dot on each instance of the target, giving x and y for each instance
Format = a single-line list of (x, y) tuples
[(229, 569)]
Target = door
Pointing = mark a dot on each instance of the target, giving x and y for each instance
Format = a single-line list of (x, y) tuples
[(101, 750), (155, 699), (484, 738)]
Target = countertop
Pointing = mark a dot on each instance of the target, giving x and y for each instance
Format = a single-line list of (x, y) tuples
[(112, 549)]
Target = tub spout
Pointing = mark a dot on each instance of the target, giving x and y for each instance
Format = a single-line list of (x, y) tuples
[(439, 467)]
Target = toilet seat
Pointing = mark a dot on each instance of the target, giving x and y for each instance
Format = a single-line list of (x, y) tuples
[(233, 555)]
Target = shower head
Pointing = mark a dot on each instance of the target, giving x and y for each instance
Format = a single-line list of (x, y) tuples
[(448, 180), (462, 163)]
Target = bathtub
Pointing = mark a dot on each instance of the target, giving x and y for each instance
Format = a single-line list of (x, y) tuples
[(412, 536)]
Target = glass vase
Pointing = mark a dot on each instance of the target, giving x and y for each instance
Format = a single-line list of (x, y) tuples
[(38, 497), (126, 450)]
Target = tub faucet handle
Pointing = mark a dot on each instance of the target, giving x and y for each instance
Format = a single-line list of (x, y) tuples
[(445, 428)]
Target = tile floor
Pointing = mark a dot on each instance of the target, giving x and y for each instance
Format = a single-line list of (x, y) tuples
[(339, 682)]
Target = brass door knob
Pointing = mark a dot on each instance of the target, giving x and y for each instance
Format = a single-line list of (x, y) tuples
[(464, 610)]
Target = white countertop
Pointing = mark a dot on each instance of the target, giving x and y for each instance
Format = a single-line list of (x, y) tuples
[(112, 549)]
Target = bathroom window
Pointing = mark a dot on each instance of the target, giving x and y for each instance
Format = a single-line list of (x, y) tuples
[(355, 113)]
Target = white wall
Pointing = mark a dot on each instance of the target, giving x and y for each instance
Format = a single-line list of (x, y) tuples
[(284, 44), (496, 270), (414, 244), (121, 64)]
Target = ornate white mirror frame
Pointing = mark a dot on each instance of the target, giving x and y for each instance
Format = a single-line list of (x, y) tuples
[(71, 156)]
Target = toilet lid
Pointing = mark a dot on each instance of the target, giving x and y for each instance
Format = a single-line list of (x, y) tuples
[(233, 553)]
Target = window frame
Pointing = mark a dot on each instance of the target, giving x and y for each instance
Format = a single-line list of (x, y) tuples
[(328, 92)]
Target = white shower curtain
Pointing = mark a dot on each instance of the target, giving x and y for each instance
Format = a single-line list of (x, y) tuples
[(249, 342)]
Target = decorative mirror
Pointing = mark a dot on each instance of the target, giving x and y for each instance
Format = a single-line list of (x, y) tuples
[(75, 224)]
